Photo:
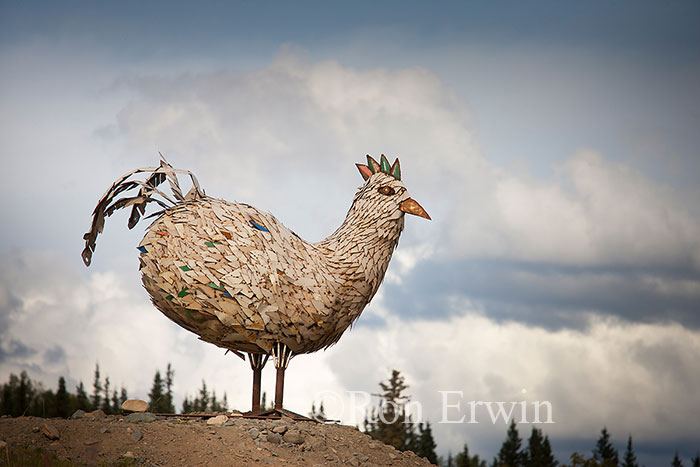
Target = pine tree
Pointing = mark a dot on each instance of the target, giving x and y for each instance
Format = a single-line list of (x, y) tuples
[(463, 459), (62, 399), (123, 396), (539, 451), (169, 374), (106, 406), (630, 460), (696, 460), (604, 452), (116, 406), (392, 426), (82, 400), (510, 454), (424, 445), (157, 402), (96, 389), (676, 461)]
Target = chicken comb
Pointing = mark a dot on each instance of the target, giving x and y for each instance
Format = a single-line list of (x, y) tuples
[(373, 167)]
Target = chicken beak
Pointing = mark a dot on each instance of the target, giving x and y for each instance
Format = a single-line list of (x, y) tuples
[(411, 206)]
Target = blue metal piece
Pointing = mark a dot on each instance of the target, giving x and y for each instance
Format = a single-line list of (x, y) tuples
[(142, 249), (258, 226)]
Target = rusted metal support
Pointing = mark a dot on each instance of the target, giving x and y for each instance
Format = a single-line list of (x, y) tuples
[(279, 388), (257, 362), (282, 354)]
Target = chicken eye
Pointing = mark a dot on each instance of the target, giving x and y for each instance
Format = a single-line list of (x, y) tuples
[(386, 190)]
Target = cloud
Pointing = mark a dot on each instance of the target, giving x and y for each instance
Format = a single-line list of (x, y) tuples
[(633, 378), (594, 212)]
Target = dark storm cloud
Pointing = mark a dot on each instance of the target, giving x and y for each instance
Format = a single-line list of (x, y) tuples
[(14, 349), (551, 296), (55, 354)]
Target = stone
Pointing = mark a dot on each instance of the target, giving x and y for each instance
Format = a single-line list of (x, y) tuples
[(50, 431), (95, 415), (129, 455), (104, 430), (254, 433), (274, 438), (279, 429), (135, 417), (134, 405), (2, 444), (137, 435), (219, 420), (293, 437), (77, 415)]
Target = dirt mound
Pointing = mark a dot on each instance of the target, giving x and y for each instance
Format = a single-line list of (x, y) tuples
[(108, 440)]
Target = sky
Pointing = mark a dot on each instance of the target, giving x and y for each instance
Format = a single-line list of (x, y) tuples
[(554, 145)]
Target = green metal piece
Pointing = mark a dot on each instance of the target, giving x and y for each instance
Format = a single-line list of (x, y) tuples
[(385, 167), (169, 297), (185, 268), (200, 320), (183, 292), (214, 286), (209, 244)]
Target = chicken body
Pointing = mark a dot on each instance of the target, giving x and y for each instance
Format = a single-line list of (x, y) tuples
[(241, 280)]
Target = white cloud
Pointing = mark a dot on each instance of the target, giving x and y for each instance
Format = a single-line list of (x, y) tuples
[(274, 124)]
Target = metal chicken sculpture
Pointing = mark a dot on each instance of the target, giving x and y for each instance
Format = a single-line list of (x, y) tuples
[(238, 278)]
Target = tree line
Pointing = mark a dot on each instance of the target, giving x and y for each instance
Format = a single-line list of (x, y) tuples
[(390, 423), (22, 396)]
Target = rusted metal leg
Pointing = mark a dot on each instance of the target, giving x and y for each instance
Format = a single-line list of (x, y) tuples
[(257, 362), (282, 354)]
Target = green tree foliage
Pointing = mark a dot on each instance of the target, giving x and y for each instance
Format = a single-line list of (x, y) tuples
[(676, 461), (96, 397), (539, 451), (169, 375), (83, 403), (463, 459), (696, 460), (604, 453), (63, 399), (205, 402), (629, 460), (389, 423), (158, 402), (424, 443), (319, 414), (106, 404), (510, 454), (579, 460)]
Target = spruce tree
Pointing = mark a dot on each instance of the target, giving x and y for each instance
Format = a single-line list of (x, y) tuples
[(116, 406), (696, 460), (510, 454), (157, 402), (123, 396), (186, 405), (630, 460), (676, 461), (388, 425), (62, 399), (462, 459), (604, 453), (96, 389), (82, 400), (169, 374), (424, 445), (539, 451), (106, 405)]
